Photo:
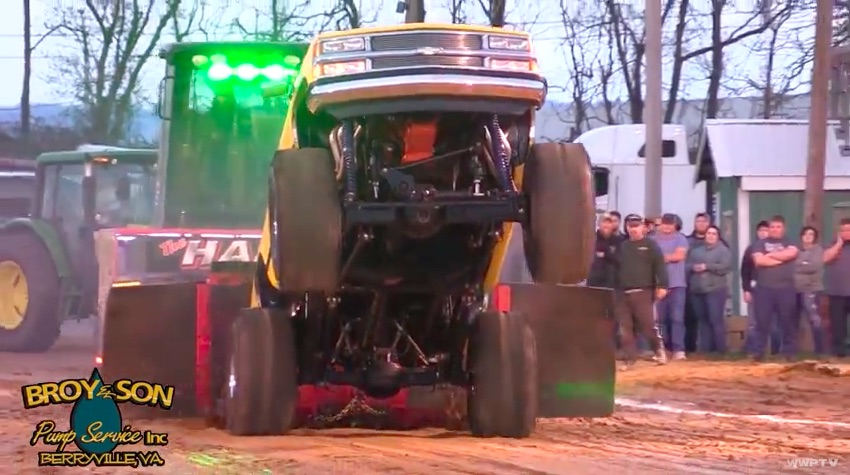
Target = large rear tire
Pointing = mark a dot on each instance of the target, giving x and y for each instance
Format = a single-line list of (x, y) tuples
[(262, 388), (306, 221), (558, 180), (29, 294), (503, 397)]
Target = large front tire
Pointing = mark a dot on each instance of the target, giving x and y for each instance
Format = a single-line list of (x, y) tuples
[(503, 397), (558, 180), (29, 294), (262, 388), (306, 221)]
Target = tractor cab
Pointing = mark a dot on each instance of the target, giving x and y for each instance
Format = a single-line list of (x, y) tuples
[(48, 269), (219, 131), (95, 189)]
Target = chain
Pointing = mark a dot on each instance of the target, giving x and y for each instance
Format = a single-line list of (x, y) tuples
[(356, 406)]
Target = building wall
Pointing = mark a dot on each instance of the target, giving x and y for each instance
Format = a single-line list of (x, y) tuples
[(764, 204), (727, 220), (740, 211)]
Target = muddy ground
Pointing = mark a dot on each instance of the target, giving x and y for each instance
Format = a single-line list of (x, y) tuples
[(692, 417)]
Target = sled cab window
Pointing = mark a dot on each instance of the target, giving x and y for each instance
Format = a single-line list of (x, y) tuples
[(224, 133)]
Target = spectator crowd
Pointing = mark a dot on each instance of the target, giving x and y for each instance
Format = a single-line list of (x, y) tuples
[(671, 289)]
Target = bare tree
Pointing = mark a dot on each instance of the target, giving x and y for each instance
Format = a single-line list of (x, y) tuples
[(113, 40), (282, 22), (779, 76), (625, 28), (300, 22), (29, 47), (580, 61), (841, 22), (624, 25), (457, 10), (495, 11), (757, 23), (197, 17)]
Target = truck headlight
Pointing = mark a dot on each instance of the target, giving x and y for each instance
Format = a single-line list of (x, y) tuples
[(344, 45), (510, 65), (509, 43), (342, 67)]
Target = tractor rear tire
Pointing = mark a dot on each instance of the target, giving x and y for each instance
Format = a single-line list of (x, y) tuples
[(306, 221), (558, 242), (262, 388), (29, 265), (503, 398)]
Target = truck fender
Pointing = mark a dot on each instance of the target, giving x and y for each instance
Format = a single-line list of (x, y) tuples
[(49, 238)]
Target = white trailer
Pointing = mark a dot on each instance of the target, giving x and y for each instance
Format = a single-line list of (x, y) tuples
[(620, 148)]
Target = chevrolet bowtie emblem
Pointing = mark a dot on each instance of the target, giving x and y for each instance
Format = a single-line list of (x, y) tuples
[(429, 50)]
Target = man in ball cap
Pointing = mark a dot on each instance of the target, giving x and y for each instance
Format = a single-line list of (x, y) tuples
[(641, 280)]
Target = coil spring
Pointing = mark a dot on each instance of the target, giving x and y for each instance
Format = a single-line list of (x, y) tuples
[(348, 162), (500, 155)]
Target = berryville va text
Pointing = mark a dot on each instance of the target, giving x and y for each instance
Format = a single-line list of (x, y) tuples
[(96, 428)]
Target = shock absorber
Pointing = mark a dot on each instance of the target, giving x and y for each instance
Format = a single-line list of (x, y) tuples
[(348, 161), (500, 156)]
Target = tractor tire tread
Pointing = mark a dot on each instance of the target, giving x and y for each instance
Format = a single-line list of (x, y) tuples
[(41, 325)]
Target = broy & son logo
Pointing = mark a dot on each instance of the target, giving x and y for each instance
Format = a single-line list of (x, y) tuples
[(96, 426)]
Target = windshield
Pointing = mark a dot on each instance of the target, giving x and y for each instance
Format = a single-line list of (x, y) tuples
[(223, 136), (124, 194)]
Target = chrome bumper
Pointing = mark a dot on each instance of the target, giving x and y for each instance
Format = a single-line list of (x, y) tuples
[(393, 87)]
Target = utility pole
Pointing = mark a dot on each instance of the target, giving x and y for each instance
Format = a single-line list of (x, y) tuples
[(652, 113), (818, 126), (414, 11)]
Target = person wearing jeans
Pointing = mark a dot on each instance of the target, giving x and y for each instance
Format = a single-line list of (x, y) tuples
[(671, 309), (748, 277), (775, 296), (709, 267), (837, 285), (641, 280), (808, 279)]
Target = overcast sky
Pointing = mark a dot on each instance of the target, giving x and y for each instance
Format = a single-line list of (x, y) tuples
[(547, 31)]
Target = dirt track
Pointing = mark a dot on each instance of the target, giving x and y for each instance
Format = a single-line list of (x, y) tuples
[(673, 437)]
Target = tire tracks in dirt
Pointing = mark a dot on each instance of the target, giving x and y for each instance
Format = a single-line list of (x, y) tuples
[(633, 441)]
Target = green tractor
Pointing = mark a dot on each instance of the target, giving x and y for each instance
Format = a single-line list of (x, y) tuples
[(48, 269)]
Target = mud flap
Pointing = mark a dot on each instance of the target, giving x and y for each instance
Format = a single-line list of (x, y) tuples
[(575, 347), (173, 334), (148, 333)]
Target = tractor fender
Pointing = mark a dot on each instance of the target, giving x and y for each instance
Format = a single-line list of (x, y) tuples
[(49, 238)]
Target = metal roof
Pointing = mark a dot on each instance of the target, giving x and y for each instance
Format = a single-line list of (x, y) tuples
[(209, 47), (766, 148), (76, 156)]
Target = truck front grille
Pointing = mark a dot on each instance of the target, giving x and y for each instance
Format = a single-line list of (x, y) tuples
[(427, 39), (390, 62)]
